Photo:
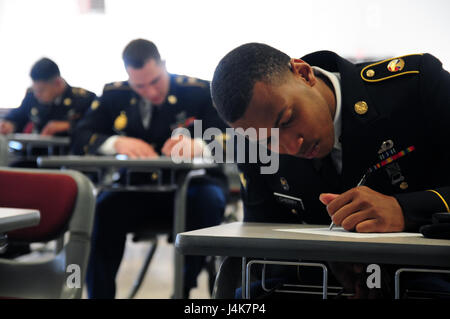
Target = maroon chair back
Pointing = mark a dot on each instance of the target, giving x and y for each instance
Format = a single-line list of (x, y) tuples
[(53, 195)]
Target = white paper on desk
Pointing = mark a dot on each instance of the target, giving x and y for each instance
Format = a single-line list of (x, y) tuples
[(339, 231)]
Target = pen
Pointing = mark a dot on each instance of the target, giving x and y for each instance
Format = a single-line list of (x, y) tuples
[(383, 163), (361, 182)]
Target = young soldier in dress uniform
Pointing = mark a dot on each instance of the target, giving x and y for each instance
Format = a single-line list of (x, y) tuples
[(136, 118), (336, 122), (50, 107)]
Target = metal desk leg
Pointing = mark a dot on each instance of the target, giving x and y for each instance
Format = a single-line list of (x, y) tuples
[(180, 226), (287, 263), (424, 270), (244, 278)]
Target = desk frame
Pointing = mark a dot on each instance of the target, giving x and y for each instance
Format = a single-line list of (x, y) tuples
[(30, 141), (261, 241)]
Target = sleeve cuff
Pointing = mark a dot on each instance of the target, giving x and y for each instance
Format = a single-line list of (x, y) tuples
[(107, 148)]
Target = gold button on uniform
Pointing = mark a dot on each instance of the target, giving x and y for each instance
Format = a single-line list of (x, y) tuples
[(67, 101), (370, 73), (172, 99), (404, 185), (294, 211), (361, 107), (95, 104)]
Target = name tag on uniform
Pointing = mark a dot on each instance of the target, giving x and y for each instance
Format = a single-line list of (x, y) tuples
[(289, 200)]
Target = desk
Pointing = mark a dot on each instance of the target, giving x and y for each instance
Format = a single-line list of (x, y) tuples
[(181, 174), (15, 218), (31, 141), (262, 241)]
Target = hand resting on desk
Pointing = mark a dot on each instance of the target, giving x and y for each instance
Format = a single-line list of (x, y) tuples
[(54, 127), (134, 147)]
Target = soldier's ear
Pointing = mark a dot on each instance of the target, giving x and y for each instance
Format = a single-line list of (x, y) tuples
[(303, 71), (59, 81)]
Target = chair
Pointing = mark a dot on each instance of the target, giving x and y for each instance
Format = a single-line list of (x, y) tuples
[(66, 203), (3, 151)]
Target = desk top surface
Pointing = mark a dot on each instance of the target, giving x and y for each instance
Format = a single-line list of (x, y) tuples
[(37, 139), (263, 241), (14, 218), (118, 161)]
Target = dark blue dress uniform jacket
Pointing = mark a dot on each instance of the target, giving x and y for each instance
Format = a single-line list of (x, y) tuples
[(411, 107), (72, 105), (117, 112)]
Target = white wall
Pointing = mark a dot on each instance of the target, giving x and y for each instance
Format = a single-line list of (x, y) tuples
[(193, 35)]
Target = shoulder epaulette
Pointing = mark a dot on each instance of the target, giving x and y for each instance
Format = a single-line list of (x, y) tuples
[(183, 80), (79, 91), (390, 68), (120, 85)]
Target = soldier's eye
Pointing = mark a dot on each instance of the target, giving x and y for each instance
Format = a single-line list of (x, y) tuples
[(288, 121), (155, 81)]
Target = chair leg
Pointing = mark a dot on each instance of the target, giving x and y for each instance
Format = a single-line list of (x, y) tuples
[(211, 269), (228, 278), (138, 282), (3, 243)]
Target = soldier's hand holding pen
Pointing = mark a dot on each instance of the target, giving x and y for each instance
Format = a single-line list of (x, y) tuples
[(364, 210)]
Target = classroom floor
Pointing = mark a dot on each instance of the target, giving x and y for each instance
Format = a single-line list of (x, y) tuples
[(158, 283)]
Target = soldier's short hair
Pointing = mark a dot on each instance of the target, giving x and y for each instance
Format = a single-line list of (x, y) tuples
[(44, 70), (138, 52), (237, 72)]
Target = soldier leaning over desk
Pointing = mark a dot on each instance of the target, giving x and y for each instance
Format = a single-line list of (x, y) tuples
[(136, 118), (336, 120), (50, 107)]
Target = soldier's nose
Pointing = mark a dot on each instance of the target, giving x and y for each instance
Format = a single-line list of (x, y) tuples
[(153, 91)]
